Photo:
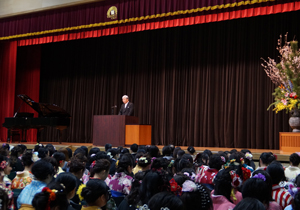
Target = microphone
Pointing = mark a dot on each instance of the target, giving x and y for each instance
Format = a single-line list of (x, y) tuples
[(115, 106)]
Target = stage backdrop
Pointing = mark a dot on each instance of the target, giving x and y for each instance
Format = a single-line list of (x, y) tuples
[(199, 85)]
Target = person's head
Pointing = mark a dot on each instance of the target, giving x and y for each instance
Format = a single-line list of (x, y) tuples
[(95, 193), (223, 182), (202, 159), (134, 148), (27, 159), (125, 164), (175, 152), (107, 147), (250, 204), (133, 197), (167, 151), (268, 180), (257, 187), (93, 151), (70, 152), (276, 172), (100, 168), (60, 158), (144, 162), (125, 99), (43, 171), (266, 158), (86, 150), (191, 150), (16, 152), (66, 152), (69, 182), (153, 151), (112, 153), (125, 151), (294, 159), (51, 149), (6, 146), (4, 199), (165, 200), (77, 167), (79, 150), (180, 153), (37, 146), (190, 172), (43, 152), (195, 196), (215, 162), (53, 162), (183, 163), (153, 183), (5, 167), (23, 148), (52, 197)]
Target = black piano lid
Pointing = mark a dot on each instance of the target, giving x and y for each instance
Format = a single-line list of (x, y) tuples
[(44, 110)]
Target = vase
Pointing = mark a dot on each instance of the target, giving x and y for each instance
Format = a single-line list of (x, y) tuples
[(294, 120)]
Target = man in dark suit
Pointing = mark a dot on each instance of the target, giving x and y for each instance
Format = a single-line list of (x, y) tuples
[(127, 107)]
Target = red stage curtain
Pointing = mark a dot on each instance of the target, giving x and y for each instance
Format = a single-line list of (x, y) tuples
[(28, 80), (8, 58), (162, 23)]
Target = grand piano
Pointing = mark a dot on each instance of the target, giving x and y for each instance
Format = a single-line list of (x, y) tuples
[(49, 115)]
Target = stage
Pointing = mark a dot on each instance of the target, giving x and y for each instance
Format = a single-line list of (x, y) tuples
[(281, 156)]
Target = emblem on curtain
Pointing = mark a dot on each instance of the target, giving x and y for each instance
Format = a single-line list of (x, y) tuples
[(112, 12)]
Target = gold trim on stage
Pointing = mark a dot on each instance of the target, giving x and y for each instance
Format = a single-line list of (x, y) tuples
[(135, 19)]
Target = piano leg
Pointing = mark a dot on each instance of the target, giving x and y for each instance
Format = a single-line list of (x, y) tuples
[(24, 131), (8, 135)]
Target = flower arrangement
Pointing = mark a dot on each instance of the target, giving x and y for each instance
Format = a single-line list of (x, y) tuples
[(286, 75)]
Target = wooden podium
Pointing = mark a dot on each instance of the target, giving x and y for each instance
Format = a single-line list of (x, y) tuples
[(289, 142), (119, 130)]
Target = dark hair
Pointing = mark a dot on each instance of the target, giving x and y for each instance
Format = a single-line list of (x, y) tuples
[(93, 190), (59, 156), (79, 150), (180, 153), (4, 199), (249, 204), (86, 150), (268, 181), (176, 151), (125, 161), (257, 188), (23, 147), (184, 163), (41, 200), (36, 147), (53, 162), (144, 161), (267, 158), (125, 151), (233, 151), (215, 162), (134, 147), (153, 151), (153, 183), (80, 156), (99, 166), (68, 180), (180, 178), (207, 151), (296, 201), (295, 159), (202, 159), (167, 151), (70, 152), (191, 149), (43, 152), (113, 152), (66, 152), (297, 181), (160, 163), (119, 149), (107, 146), (41, 169), (76, 165), (6, 146), (198, 200), (94, 150), (165, 200), (276, 171), (222, 183), (27, 159), (134, 195), (51, 149), (14, 154)]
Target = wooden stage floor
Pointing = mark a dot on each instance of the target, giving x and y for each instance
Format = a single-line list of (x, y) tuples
[(282, 156)]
